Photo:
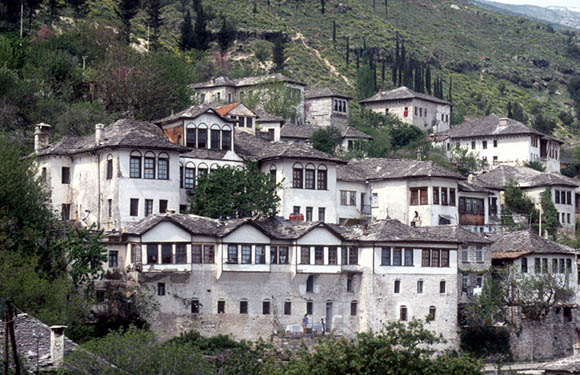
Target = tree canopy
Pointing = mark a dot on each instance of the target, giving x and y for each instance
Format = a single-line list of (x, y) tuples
[(326, 139)]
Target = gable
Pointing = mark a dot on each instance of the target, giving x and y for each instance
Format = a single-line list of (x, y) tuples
[(246, 234), (241, 110), (166, 231), (319, 236)]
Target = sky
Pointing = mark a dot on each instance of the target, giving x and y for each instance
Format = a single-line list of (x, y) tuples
[(566, 3)]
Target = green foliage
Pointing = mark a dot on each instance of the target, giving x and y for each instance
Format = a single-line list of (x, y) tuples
[(275, 98), (85, 256), (544, 124), (326, 139), (574, 91), (187, 39), (226, 35), (466, 162), (549, 213), (278, 55), (212, 345), (404, 135), (537, 165), (485, 310), (517, 201), (126, 11), (365, 86), (154, 9), (231, 193), (202, 36), (486, 341)]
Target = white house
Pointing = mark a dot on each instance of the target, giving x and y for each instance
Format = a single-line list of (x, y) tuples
[(426, 112), (502, 141)]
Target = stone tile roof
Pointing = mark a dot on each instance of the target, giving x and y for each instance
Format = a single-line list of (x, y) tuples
[(490, 126), (349, 173), (215, 82), (326, 92), (402, 93), (471, 187), (499, 178), (31, 332), (385, 169), (302, 132), (246, 81), (193, 112), (289, 229), (204, 153), (192, 223), (454, 232), (225, 109), (264, 116), (123, 133), (510, 244), (352, 132), (253, 147)]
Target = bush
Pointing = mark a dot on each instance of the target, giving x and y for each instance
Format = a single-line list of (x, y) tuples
[(213, 344), (484, 342)]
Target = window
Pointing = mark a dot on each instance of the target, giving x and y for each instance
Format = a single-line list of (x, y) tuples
[(162, 206), (309, 177), (322, 178), (332, 255), (65, 211), (246, 254), (135, 165), (419, 286), (471, 206), (397, 256), (308, 213), (442, 286), (296, 210), (208, 254), (229, 97), (464, 254), (403, 313), (201, 138), (149, 167), (195, 306), (182, 208), (435, 258), (444, 196), (109, 169), (432, 312), (537, 265), (215, 139), (243, 307), (113, 258), (190, 138), (189, 178), (408, 257), (309, 308), (544, 265), (406, 112), (397, 286), (386, 256), (297, 171), (65, 175), (375, 200), (266, 307), (305, 255), (160, 289), (283, 255), (163, 167), (495, 143), (166, 253), (416, 111), (201, 170), (180, 256), (233, 254), (524, 265), (260, 254), (419, 196), (151, 254), (484, 145), (568, 265), (221, 307), (569, 197), (435, 195), (109, 207), (134, 209), (318, 255), (353, 308), (148, 207), (444, 258), (226, 139), (43, 177), (563, 197), (310, 284), (554, 265), (452, 198), (352, 255), (273, 255), (479, 254), (473, 145), (321, 214), (287, 308)]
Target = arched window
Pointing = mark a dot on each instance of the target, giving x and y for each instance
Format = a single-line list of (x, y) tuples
[(403, 312), (215, 137), (109, 167), (297, 176), (135, 164), (226, 138), (149, 165), (309, 180), (190, 135), (273, 172), (189, 180), (163, 166), (322, 177), (212, 168), (202, 136), (201, 170)]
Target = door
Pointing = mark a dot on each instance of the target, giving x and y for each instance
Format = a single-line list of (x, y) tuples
[(328, 316)]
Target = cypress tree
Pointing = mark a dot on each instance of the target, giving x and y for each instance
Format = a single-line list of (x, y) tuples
[(278, 52), (155, 21), (334, 33), (186, 41), (226, 35), (509, 110), (126, 11), (322, 3), (428, 79), (450, 95), (383, 71), (347, 51), (402, 64), (255, 10), (357, 58), (386, 9), (200, 33), (374, 4)]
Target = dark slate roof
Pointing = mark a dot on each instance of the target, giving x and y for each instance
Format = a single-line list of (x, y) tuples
[(204, 153), (120, 134), (246, 81), (521, 242), (215, 82), (454, 232), (253, 147), (293, 131), (383, 169), (349, 174), (326, 92), (402, 93), (471, 187), (31, 332), (193, 112), (499, 178), (290, 229), (490, 126), (192, 223), (568, 365), (264, 116), (352, 132)]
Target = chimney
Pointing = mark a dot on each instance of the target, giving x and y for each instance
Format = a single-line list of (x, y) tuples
[(57, 345), (503, 121), (470, 178), (41, 136), (99, 130), (169, 212)]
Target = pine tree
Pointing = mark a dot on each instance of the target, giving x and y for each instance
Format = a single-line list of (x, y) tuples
[(255, 10), (450, 95), (357, 58), (402, 64), (347, 51), (374, 4), (383, 71), (200, 34), (32, 6), (53, 10), (322, 3), (509, 110), (428, 79), (278, 52), (127, 10), (155, 21), (186, 42), (226, 35), (334, 33), (386, 9)]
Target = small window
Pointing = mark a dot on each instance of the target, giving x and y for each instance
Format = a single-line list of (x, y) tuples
[(495, 143), (160, 289), (246, 254), (322, 175), (524, 265), (321, 214), (473, 145), (260, 254), (65, 175), (135, 165), (432, 313), (266, 307), (419, 286), (403, 313), (180, 253), (163, 167), (283, 255), (353, 308), (442, 286), (305, 255), (65, 211), (166, 254), (287, 308), (386, 256), (226, 139), (151, 254), (273, 255), (309, 307), (196, 254), (349, 284), (397, 286), (310, 284), (208, 254), (195, 306), (162, 206), (332, 255), (308, 213), (109, 207), (297, 176), (221, 307), (148, 207), (408, 257), (318, 255), (109, 169), (134, 209), (309, 182), (243, 307), (149, 166), (113, 258), (484, 145)]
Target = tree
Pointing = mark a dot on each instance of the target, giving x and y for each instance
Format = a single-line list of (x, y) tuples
[(326, 139), (334, 33), (229, 193), (403, 135), (537, 165), (201, 36), (544, 124), (155, 20), (322, 2), (549, 215), (278, 57), (386, 9), (85, 256), (518, 202), (275, 98), (226, 35), (365, 82), (428, 79), (186, 41), (347, 51), (466, 162), (126, 11), (80, 8)]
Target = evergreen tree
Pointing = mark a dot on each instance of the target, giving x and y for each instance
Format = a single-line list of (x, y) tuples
[(200, 34), (322, 3), (364, 82), (186, 41), (357, 53), (383, 71), (517, 113), (226, 35), (386, 9), (428, 79), (402, 63), (334, 33), (126, 11), (79, 8), (347, 51), (53, 10), (255, 10), (374, 1), (278, 52), (509, 110), (549, 212), (155, 21), (31, 7), (450, 95)]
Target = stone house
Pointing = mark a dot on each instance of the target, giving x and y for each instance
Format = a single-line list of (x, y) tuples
[(326, 107), (502, 141), (350, 138), (252, 278), (478, 211), (426, 112)]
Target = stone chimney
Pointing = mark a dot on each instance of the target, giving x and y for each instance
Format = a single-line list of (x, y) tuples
[(99, 131), (41, 136), (57, 345), (503, 121)]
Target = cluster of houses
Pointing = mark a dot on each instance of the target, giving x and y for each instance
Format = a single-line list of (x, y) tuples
[(356, 244)]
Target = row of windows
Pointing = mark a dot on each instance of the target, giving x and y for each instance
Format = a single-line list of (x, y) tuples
[(560, 265), (328, 255), (420, 285), (563, 197), (397, 256), (564, 218), (145, 167), (147, 208), (219, 138), (478, 254), (419, 111), (309, 177), (243, 121), (309, 213), (420, 197), (187, 174), (340, 105), (483, 144), (471, 206), (347, 198)]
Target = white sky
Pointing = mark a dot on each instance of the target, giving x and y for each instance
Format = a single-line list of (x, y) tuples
[(566, 3)]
